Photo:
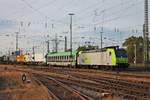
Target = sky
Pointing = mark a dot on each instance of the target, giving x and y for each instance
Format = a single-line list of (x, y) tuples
[(40, 20)]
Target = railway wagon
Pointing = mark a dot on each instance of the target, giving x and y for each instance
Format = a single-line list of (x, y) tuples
[(62, 58), (36, 59), (107, 57), (12, 58), (20, 58), (39, 58)]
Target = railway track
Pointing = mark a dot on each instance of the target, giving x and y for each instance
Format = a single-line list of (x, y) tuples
[(128, 72), (60, 91), (98, 85), (67, 71), (130, 88), (95, 86)]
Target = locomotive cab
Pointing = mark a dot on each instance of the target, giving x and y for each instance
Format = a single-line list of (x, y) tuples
[(121, 58)]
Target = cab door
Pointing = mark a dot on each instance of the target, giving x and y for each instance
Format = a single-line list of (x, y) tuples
[(109, 58)]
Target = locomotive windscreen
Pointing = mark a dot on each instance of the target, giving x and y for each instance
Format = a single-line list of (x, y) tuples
[(121, 53)]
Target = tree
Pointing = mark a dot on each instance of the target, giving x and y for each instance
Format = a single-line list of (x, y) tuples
[(130, 43)]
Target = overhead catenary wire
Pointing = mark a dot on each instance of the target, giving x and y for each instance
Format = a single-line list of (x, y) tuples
[(35, 9), (107, 20), (101, 10), (116, 17), (110, 8)]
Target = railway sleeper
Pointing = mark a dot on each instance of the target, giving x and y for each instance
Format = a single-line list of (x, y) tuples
[(97, 89), (115, 84)]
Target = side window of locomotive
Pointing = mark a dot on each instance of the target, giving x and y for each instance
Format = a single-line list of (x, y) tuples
[(59, 58), (52, 58), (65, 57), (109, 53)]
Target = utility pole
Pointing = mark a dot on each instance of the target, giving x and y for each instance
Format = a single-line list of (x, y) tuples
[(94, 19), (56, 43), (47, 50), (17, 40), (47, 42), (47, 46), (9, 52), (65, 43), (101, 38), (71, 14), (135, 53), (33, 49), (146, 33)]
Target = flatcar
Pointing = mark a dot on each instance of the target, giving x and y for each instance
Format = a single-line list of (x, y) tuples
[(109, 57)]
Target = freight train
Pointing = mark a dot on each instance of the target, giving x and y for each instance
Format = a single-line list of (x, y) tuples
[(109, 57), (23, 59)]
